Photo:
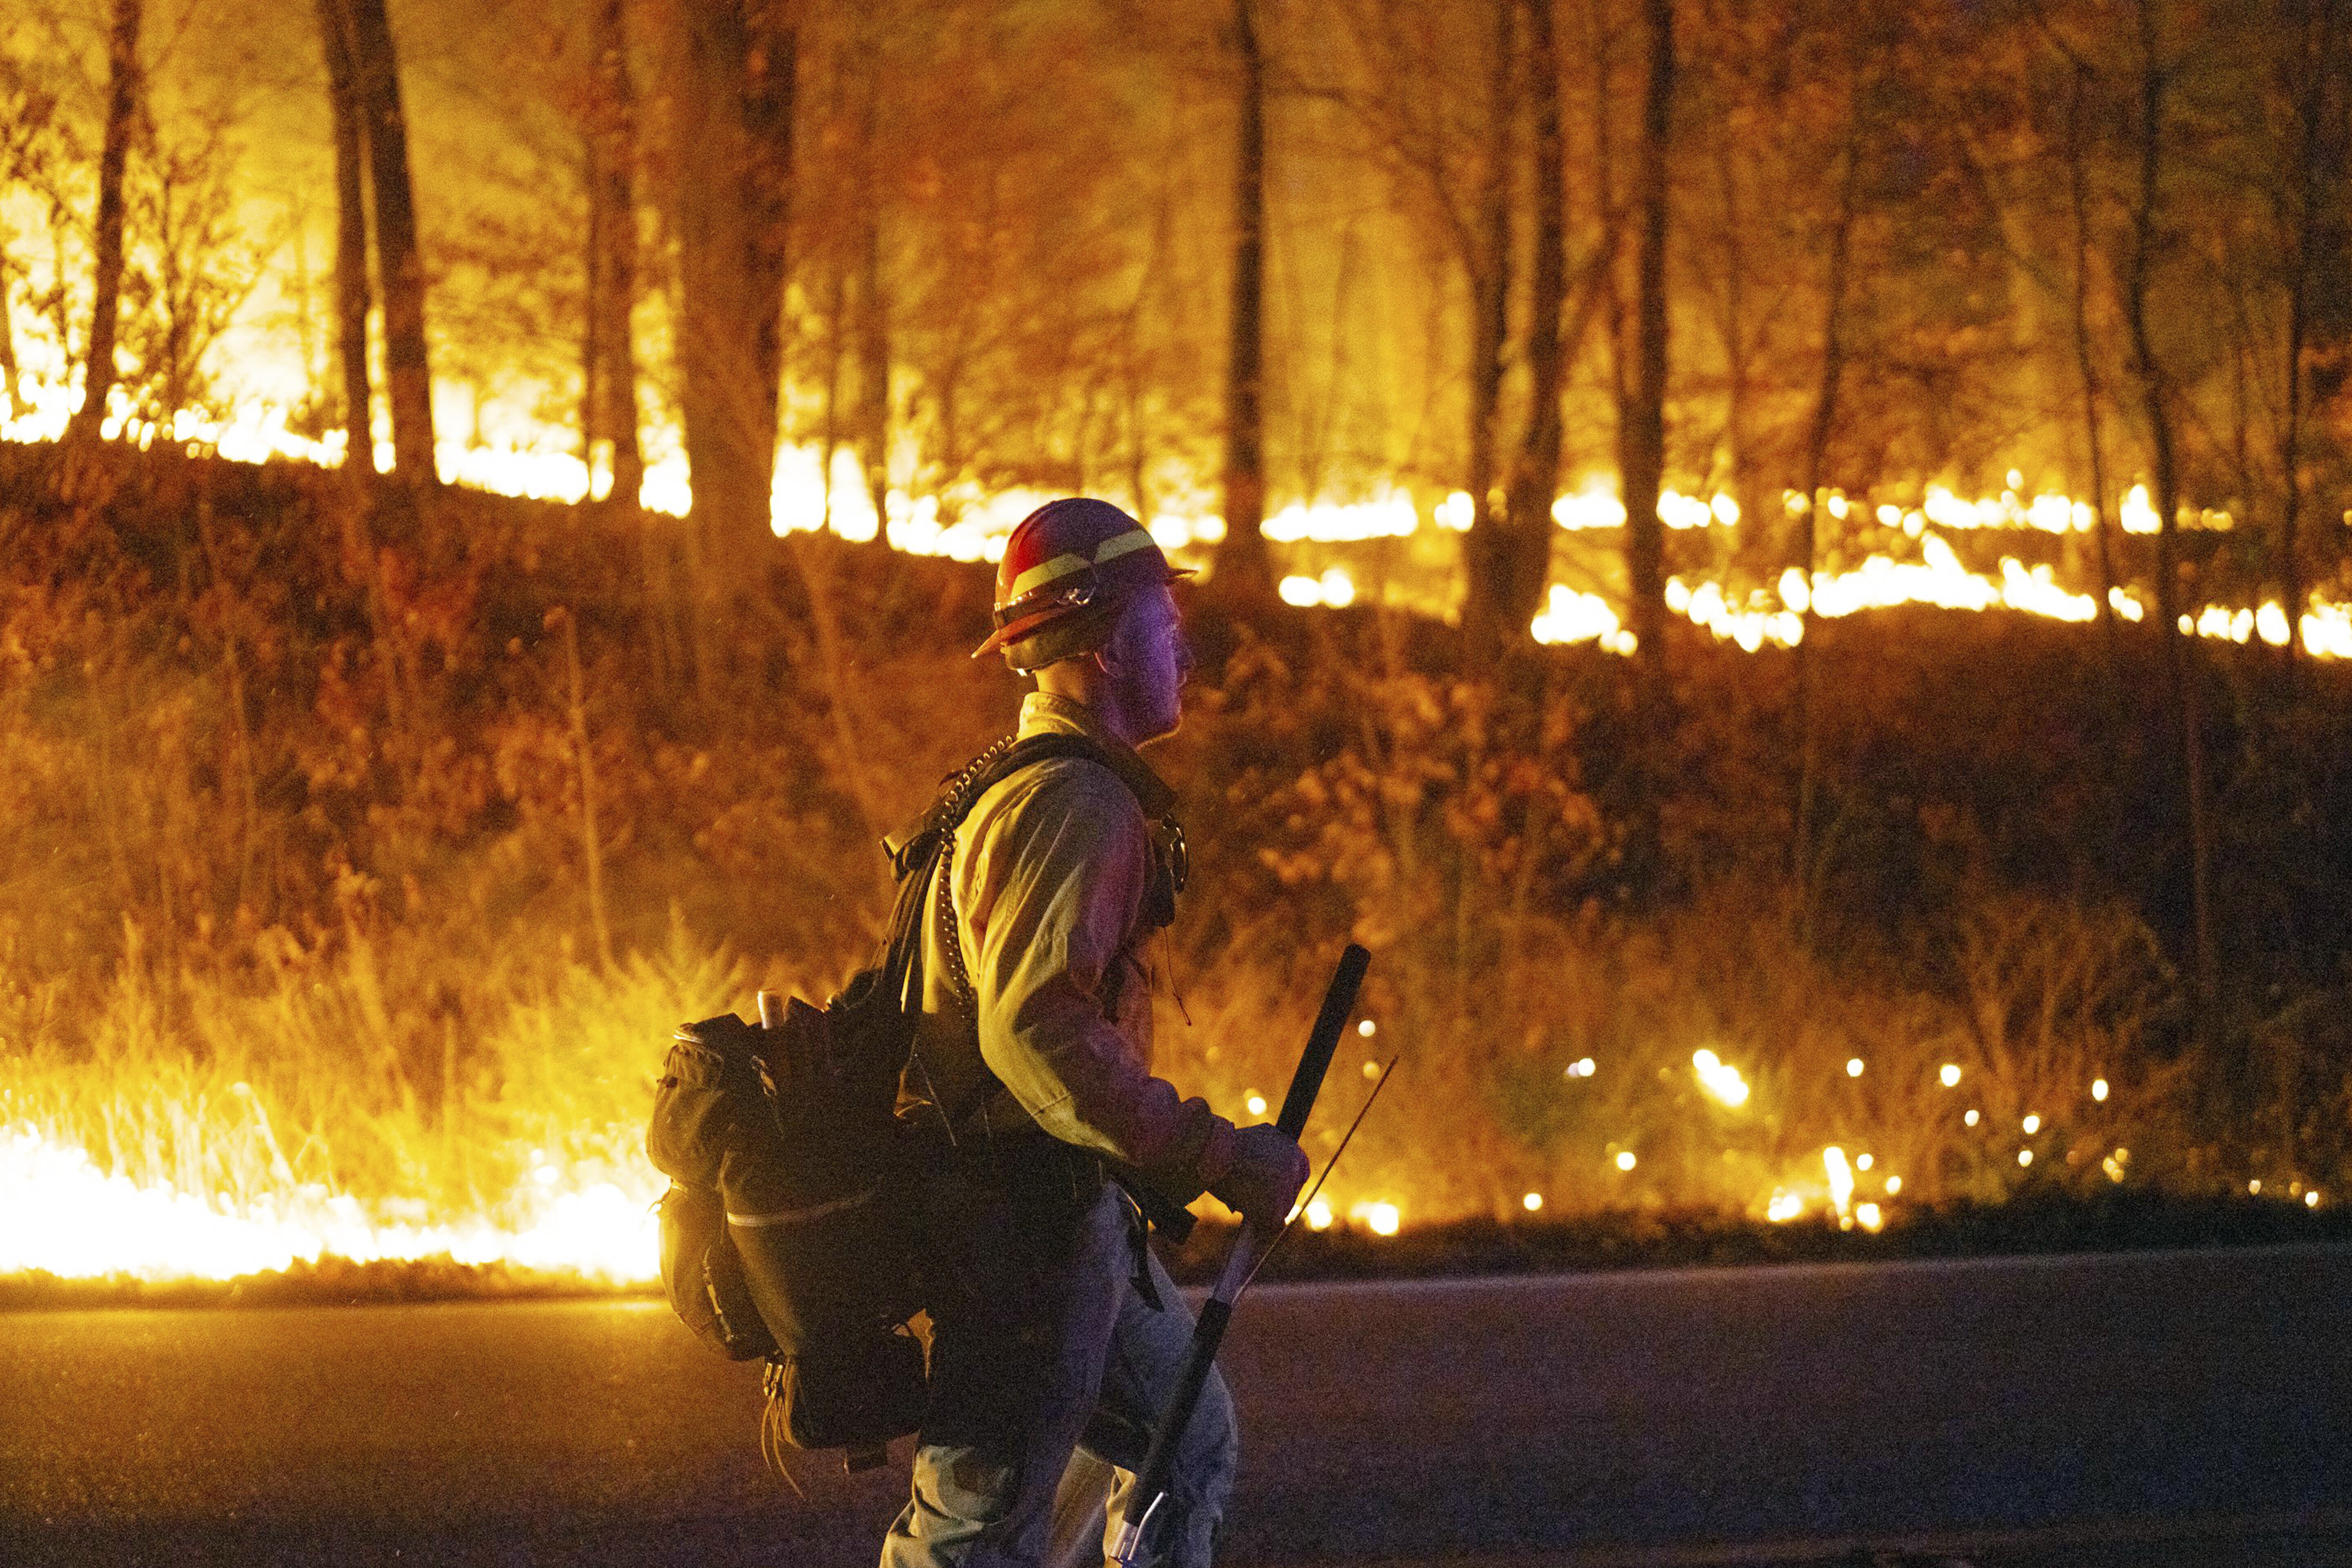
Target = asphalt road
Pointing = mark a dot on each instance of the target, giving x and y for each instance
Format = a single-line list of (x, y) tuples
[(2089, 1413)]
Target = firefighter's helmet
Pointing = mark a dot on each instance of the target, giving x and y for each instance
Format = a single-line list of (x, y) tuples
[(1067, 568)]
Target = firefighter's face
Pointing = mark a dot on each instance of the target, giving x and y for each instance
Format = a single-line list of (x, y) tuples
[(1147, 663)]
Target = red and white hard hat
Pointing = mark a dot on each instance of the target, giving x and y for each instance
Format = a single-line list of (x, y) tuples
[(1065, 569)]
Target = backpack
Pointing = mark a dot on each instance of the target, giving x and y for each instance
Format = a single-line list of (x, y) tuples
[(785, 1234)]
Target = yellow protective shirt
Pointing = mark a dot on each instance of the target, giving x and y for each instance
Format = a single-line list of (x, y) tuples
[(1049, 875)]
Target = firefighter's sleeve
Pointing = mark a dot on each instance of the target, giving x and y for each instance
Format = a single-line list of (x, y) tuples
[(1066, 873)]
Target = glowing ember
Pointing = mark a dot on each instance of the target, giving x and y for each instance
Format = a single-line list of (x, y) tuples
[(1569, 616), (1594, 505), (1334, 590), (1719, 1079), (1841, 1178)]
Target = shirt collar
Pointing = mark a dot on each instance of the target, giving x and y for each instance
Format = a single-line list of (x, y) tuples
[(1042, 713)]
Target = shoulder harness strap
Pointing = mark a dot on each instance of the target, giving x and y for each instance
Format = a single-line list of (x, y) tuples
[(918, 851), (913, 847)]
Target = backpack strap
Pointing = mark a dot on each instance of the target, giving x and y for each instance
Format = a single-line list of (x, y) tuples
[(918, 850), (913, 847)]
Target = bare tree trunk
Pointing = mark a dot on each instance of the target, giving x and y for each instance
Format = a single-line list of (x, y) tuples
[(400, 267), (347, 111), (1601, 38), (10, 376), (836, 319), (872, 345), (1642, 423), (1134, 367), (2179, 648), (733, 98), (1818, 435), (2316, 53), (591, 840), (2291, 459), (2085, 363), (1490, 286), (591, 316), (122, 87), (1526, 552), (1243, 565), (1738, 343), (613, 258), (350, 239)]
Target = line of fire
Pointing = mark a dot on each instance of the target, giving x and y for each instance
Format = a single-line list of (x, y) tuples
[(1784, 568)]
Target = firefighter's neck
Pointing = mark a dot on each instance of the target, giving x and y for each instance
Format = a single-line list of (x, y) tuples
[(1085, 680)]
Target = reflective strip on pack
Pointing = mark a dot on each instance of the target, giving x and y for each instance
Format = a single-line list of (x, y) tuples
[(801, 1217)]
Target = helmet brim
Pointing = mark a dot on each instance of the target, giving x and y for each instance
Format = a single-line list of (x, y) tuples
[(1023, 627)]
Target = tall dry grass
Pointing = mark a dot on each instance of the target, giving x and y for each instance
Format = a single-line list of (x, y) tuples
[(303, 1082)]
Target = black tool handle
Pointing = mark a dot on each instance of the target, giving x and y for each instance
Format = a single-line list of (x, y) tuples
[(1338, 1001), (1151, 1481)]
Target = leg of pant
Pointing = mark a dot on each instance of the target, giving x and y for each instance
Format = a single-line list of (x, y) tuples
[(1075, 1538), (1148, 1350), (983, 1486), (959, 1493)]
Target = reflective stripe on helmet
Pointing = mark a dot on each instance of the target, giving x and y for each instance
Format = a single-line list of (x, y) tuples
[(1061, 566)]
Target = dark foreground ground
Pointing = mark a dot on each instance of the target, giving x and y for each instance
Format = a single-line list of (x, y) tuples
[(2152, 1409)]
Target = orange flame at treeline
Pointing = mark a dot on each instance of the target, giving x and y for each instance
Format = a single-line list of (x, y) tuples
[(974, 527), (66, 1217)]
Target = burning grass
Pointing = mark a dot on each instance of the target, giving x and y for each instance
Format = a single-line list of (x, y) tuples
[(359, 862)]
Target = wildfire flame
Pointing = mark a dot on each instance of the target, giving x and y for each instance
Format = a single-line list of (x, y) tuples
[(967, 524), (68, 1218)]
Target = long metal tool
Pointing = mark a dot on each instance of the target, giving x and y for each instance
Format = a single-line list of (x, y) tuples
[(1151, 1480), (1329, 1165)]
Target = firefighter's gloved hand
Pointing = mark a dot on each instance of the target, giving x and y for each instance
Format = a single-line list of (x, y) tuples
[(1263, 1182)]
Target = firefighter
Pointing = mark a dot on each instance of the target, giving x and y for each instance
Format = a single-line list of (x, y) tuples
[(1054, 1332)]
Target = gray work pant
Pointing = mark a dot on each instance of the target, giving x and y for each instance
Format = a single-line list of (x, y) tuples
[(1019, 1479)]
